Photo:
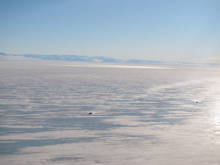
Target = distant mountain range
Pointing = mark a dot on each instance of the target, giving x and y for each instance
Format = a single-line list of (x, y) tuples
[(4, 56), (30, 57)]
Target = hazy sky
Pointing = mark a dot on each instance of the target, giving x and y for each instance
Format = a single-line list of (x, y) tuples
[(170, 30)]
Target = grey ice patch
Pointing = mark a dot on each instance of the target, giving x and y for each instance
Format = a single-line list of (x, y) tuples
[(67, 158)]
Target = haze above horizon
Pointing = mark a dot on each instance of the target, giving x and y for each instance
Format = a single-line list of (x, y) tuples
[(166, 30)]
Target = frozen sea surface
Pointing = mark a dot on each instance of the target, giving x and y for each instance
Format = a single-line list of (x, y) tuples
[(141, 114)]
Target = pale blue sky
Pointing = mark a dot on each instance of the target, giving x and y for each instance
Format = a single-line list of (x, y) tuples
[(169, 30)]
